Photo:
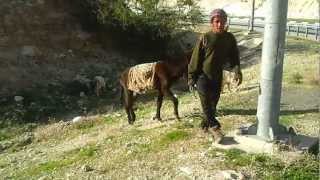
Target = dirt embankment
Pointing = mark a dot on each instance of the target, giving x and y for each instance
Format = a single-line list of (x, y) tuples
[(43, 42)]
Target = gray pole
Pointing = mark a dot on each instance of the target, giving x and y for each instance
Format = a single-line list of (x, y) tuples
[(252, 17), (271, 70)]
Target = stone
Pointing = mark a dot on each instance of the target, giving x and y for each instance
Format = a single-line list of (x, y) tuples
[(186, 170), (77, 119), (86, 168), (29, 51), (18, 98)]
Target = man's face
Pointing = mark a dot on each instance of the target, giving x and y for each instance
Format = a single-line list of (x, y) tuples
[(218, 24)]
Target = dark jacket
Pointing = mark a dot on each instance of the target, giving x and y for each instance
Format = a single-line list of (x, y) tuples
[(212, 52)]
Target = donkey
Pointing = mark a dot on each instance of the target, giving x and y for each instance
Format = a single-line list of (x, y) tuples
[(164, 74)]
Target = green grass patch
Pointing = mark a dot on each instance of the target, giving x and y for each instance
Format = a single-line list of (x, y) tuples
[(305, 168), (67, 159), (87, 152), (287, 120), (84, 125), (145, 111), (172, 137), (268, 167), (110, 119), (47, 167), (237, 157), (140, 148)]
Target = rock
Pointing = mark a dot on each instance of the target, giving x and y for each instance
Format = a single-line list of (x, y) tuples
[(83, 35), (82, 94), (77, 119), (86, 168), (18, 98), (29, 51), (229, 174), (117, 115), (186, 170)]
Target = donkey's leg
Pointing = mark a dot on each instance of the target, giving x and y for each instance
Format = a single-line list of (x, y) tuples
[(169, 94), (164, 87), (175, 103), (159, 104), (128, 96)]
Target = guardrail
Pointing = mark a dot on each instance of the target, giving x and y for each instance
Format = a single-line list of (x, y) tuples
[(304, 29)]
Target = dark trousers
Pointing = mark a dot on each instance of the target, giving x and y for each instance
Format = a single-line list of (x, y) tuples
[(209, 93)]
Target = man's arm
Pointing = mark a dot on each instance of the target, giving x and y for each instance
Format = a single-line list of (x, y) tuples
[(195, 65), (234, 54), (235, 60)]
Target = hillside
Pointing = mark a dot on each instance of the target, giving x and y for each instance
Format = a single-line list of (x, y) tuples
[(52, 127), (45, 42)]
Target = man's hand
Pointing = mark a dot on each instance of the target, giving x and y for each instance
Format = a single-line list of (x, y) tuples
[(238, 75), (238, 78), (192, 85)]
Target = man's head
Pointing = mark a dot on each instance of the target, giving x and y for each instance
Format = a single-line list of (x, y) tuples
[(218, 19)]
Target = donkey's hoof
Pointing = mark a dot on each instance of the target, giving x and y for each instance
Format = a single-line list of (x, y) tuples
[(157, 118)]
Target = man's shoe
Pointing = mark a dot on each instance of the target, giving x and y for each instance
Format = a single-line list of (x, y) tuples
[(204, 126), (217, 135)]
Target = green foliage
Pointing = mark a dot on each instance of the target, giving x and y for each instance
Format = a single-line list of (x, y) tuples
[(296, 78), (9, 132), (150, 19)]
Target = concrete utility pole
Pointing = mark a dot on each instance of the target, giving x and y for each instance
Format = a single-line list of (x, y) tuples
[(271, 70), (252, 17)]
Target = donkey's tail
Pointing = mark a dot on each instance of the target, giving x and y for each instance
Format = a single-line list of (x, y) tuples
[(121, 94)]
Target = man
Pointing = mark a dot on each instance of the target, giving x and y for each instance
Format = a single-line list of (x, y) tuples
[(214, 50)]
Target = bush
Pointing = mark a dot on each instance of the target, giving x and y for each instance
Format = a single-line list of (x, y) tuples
[(150, 20), (296, 78)]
